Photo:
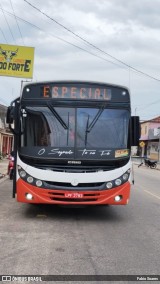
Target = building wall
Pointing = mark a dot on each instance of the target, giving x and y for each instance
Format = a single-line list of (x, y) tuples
[(144, 131), (153, 150), (6, 137), (150, 134)]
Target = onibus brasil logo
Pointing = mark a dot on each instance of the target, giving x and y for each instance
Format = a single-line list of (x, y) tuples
[(6, 63)]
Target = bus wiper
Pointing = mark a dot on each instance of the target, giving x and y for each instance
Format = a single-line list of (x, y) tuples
[(95, 119), (68, 130), (86, 132), (58, 117), (91, 125)]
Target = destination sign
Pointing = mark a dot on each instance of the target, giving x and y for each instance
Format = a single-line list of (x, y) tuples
[(75, 91)]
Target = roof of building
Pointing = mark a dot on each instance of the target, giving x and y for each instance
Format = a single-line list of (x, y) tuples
[(155, 120), (2, 107)]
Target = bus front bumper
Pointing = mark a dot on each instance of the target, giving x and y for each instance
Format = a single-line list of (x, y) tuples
[(28, 193)]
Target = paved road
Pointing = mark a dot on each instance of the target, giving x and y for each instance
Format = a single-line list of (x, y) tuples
[(100, 240)]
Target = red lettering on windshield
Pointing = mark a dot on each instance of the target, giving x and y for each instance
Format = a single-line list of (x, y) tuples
[(73, 92), (97, 93), (46, 91), (90, 93), (55, 92), (64, 91), (82, 93)]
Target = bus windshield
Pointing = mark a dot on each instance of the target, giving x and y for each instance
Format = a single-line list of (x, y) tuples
[(76, 127)]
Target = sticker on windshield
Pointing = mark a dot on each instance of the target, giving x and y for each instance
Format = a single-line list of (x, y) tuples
[(121, 153)]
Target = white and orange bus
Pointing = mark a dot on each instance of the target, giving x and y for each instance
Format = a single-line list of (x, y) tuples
[(72, 143)]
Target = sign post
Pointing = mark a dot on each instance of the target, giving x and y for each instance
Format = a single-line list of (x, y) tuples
[(142, 144)]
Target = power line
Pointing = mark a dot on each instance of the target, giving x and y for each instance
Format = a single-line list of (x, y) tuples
[(74, 45), (148, 105), (7, 23), (3, 35), (142, 106), (61, 39), (86, 41), (17, 22), (14, 15)]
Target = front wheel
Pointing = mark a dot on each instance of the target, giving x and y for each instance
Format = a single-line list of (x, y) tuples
[(153, 166)]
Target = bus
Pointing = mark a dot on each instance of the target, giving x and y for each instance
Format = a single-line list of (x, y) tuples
[(72, 143)]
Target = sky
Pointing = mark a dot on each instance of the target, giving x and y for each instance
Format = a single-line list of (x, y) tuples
[(116, 42)]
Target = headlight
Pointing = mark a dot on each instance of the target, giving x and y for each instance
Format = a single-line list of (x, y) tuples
[(118, 181), (30, 179), (22, 174), (109, 185), (38, 183), (125, 177)]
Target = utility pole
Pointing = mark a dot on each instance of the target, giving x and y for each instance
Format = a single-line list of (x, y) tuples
[(135, 111)]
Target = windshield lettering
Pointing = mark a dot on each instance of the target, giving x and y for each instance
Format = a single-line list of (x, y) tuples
[(75, 133), (105, 152), (60, 153), (94, 152), (87, 152), (41, 152), (57, 152), (84, 152)]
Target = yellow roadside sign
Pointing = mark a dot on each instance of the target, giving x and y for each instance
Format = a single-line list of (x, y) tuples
[(142, 144), (16, 61)]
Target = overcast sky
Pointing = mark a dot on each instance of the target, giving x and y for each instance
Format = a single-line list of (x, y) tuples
[(127, 30)]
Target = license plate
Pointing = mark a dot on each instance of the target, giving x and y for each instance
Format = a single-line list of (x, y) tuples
[(73, 195)]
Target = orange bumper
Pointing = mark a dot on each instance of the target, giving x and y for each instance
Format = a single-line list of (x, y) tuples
[(41, 195)]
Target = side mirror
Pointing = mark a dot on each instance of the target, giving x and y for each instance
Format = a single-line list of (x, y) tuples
[(10, 115), (12, 153), (135, 131)]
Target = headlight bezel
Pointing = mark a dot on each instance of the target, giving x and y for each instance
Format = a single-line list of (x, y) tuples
[(118, 182), (111, 183), (27, 176), (114, 183)]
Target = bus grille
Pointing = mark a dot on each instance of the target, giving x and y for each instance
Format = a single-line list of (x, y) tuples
[(86, 197), (80, 186)]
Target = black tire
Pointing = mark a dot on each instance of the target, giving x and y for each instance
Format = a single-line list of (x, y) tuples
[(153, 166)]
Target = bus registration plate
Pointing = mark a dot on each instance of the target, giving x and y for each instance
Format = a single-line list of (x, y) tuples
[(73, 195)]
